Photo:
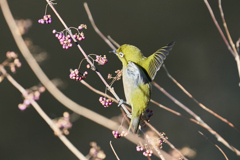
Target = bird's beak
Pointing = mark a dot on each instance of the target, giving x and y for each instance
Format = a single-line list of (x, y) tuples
[(113, 51)]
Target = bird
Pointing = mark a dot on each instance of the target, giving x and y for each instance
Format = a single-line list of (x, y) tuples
[(138, 72)]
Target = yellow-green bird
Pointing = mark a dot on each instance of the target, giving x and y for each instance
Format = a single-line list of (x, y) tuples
[(138, 72)]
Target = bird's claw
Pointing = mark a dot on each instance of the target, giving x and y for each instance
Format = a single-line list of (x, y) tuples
[(120, 102)]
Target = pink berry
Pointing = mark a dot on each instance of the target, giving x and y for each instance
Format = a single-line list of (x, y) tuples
[(22, 107), (70, 45)]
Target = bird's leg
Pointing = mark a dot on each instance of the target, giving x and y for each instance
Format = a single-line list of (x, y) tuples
[(129, 115), (121, 101)]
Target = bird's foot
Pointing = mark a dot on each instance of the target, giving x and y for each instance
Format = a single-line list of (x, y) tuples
[(121, 102)]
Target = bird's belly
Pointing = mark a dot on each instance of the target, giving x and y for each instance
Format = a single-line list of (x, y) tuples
[(137, 94)]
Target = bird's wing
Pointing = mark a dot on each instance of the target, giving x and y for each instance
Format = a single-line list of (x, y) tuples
[(155, 61), (137, 73)]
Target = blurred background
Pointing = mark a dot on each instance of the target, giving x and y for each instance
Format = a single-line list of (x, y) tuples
[(200, 61)]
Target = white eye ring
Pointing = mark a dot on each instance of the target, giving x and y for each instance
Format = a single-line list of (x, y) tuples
[(121, 54)]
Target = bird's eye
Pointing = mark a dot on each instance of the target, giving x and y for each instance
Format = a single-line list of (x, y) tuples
[(121, 54)]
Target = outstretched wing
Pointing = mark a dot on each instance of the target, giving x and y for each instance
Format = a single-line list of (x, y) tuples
[(153, 63)]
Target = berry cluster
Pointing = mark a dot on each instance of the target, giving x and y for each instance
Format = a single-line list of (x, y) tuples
[(45, 20), (16, 63), (79, 37), (105, 102), (139, 148), (101, 60), (33, 94), (117, 135), (63, 123), (146, 152), (147, 115), (66, 40), (76, 76), (12, 62), (95, 152)]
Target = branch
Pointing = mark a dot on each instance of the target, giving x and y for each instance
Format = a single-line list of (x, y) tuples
[(70, 146), (198, 119), (196, 101), (233, 49)]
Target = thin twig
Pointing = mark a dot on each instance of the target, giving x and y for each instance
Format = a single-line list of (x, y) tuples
[(226, 28), (222, 152), (198, 119), (97, 91), (113, 41), (166, 108), (232, 50), (177, 102), (196, 101), (193, 120), (68, 144), (236, 55), (218, 27), (95, 27), (215, 145), (101, 93), (114, 151)]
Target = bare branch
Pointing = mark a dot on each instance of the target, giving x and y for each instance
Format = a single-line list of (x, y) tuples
[(68, 144), (233, 49), (218, 27), (226, 28), (196, 101), (198, 119)]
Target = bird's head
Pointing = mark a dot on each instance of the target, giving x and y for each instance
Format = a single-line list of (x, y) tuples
[(128, 53)]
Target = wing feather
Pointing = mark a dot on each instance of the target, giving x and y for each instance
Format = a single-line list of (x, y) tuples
[(156, 60)]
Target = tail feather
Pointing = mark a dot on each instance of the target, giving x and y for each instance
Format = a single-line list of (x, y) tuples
[(134, 125)]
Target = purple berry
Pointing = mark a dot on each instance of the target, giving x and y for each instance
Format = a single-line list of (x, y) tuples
[(42, 21)]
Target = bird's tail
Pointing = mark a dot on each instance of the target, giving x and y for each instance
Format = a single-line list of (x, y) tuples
[(134, 124)]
